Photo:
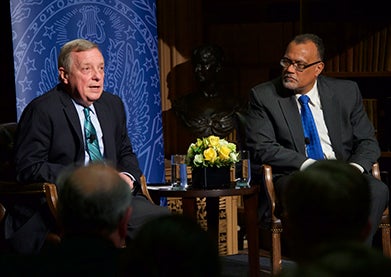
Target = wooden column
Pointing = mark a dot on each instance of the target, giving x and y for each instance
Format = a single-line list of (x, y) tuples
[(180, 31)]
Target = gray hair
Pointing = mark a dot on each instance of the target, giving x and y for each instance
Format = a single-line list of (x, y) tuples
[(77, 45), (92, 199)]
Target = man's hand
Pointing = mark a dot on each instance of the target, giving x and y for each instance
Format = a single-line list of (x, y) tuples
[(127, 179)]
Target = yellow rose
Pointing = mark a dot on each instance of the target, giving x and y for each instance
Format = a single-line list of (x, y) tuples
[(210, 155), (214, 141), (224, 152)]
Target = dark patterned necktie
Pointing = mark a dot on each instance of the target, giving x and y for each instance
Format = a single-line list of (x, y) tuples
[(312, 141), (91, 138)]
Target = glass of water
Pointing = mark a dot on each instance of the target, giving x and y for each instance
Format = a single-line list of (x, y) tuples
[(243, 170), (178, 171)]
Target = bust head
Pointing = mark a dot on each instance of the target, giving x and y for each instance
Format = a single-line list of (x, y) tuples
[(207, 62), (210, 109)]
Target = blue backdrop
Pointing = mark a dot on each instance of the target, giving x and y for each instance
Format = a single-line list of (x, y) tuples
[(126, 31)]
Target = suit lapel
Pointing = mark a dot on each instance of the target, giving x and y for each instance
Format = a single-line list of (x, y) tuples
[(74, 122), (293, 121), (107, 126), (331, 114)]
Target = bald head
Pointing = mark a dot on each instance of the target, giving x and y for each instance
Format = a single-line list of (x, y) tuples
[(94, 179), (92, 199)]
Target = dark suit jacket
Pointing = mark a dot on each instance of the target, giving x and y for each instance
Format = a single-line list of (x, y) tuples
[(275, 134), (49, 136), (49, 139)]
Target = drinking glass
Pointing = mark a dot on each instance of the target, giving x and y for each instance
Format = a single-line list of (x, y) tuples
[(178, 171), (243, 169)]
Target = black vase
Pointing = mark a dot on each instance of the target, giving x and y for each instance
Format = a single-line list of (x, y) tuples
[(211, 177)]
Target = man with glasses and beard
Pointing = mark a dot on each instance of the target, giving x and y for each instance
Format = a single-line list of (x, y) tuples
[(302, 117)]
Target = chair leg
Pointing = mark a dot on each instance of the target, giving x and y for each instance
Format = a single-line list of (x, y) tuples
[(276, 260), (386, 240)]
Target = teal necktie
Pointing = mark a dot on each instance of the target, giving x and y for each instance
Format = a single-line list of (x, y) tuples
[(91, 138), (312, 141)]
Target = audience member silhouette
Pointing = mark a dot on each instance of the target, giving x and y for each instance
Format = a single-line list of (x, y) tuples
[(352, 260), (326, 203), (326, 219), (94, 207), (172, 245)]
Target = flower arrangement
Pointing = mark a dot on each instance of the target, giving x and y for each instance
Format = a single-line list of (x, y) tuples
[(211, 151)]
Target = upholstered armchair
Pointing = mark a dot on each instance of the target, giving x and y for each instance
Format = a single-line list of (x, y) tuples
[(11, 190)]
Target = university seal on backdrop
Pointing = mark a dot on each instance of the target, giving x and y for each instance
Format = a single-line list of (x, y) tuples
[(126, 32)]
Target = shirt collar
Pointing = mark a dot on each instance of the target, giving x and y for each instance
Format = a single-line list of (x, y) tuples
[(313, 94), (81, 107)]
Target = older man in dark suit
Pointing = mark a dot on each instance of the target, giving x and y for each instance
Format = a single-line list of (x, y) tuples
[(278, 135), (76, 122)]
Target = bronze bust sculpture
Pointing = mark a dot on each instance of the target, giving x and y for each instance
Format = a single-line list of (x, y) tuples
[(211, 110)]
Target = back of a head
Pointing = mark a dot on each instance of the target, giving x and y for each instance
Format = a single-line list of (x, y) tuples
[(352, 260), (327, 202), (173, 245), (92, 199)]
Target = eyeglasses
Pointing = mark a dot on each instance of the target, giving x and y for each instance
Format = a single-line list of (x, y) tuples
[(285, 62)]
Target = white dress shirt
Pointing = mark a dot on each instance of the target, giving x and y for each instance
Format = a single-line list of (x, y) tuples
[(317, 112)]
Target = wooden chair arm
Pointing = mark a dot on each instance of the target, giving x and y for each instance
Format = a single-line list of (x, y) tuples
[(376, 171), (144, 188), (376, 174), (2, 212), (268, 180), (276, 227), (48, 190)]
